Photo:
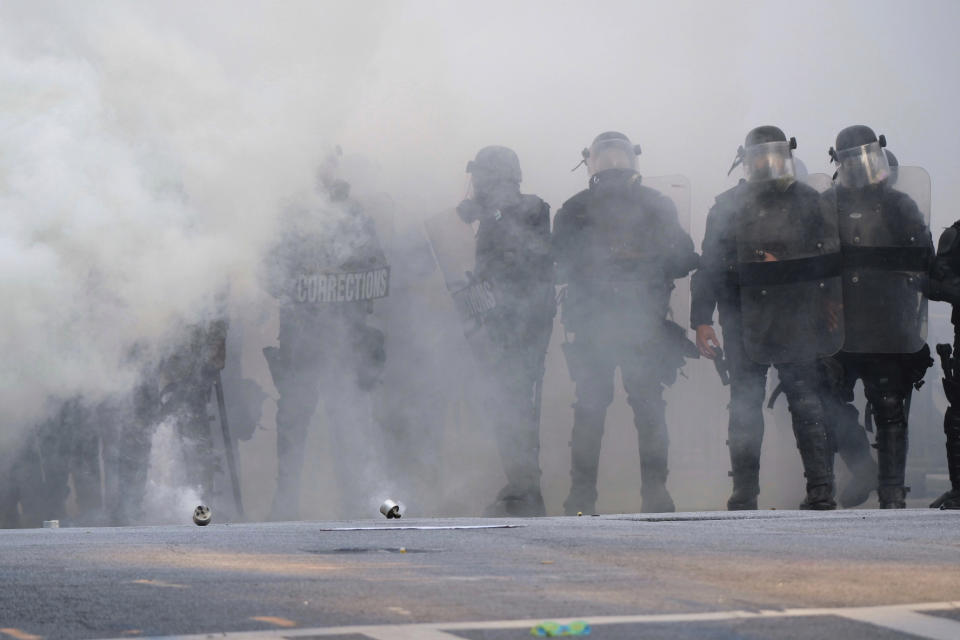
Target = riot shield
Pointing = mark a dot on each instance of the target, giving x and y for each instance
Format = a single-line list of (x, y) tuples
[(454, 245), (788, 251), (677, 188), (887, 247)]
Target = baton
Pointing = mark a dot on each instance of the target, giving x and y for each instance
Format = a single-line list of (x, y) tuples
[(228, 444)]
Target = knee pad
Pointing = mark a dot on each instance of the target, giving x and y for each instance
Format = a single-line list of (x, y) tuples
[(887, 408), (748, 394), (806, 408)]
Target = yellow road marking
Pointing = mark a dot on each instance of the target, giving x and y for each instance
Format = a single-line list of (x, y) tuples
[(280, 622), (159, 583), (19, 635)]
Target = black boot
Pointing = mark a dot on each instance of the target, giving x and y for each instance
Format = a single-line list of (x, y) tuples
[(653, 489), (817, 459), (584, 460), (951, 428), (863, 481), (949, 500), (854, 449), (745, 492), (893, 497), (746, 480), (517, 504), (892, 458)]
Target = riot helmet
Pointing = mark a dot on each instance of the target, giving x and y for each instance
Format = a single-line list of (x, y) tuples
[(894, 165), (327, 170), (610, 150), (860, 158), (766, 155), (494, 170)]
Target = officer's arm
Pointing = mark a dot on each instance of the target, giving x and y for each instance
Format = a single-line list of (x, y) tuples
[(704, 283), (543, 253), (561, 242), (945, 271), (682, 257)]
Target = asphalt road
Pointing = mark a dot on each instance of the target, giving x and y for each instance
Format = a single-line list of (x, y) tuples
[(770, 574)]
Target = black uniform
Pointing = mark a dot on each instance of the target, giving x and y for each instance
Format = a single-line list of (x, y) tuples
[(887, 250), (326, 348), (945, 285), (619, 246), (188, 376), (716, 285), (887, 377), (513, 257)]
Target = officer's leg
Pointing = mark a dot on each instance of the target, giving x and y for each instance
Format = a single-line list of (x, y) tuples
[(951, 428), (886, 390), (28, 477), (346, 387), (56, 442), (194, 427), (518, 435), (85, 463), (110, 416), (801, 385), (9, 490), (849, 438), (643, 381), (593, 375), (748, 384), (133, 453), (854, 449), (297, 378)]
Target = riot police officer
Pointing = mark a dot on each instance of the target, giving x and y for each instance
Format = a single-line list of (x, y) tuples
[(512, 256), (887, 248), (619, 246), (945, 285), (325, 271), (770, 263), (186, 378)]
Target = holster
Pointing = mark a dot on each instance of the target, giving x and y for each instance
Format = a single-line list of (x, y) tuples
[(676, 336), (917, 365)]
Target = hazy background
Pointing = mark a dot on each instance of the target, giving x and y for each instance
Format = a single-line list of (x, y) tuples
[(145, 149)]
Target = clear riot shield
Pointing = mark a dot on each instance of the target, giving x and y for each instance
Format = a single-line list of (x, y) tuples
[(788, 250), (677, 188), (887, 247), (454, 246)]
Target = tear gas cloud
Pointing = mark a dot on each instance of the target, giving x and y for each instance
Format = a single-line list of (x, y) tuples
[(147, 149)]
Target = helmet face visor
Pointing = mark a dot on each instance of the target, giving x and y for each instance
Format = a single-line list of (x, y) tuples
[(862, 166), (768, 161), (611, 154)]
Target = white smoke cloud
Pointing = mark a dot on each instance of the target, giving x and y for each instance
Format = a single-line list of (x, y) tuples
[(146, 148)]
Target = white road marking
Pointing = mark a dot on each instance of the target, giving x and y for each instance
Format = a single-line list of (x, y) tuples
[(905, 618), (910, 622), (451, 527), (409, 633)]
